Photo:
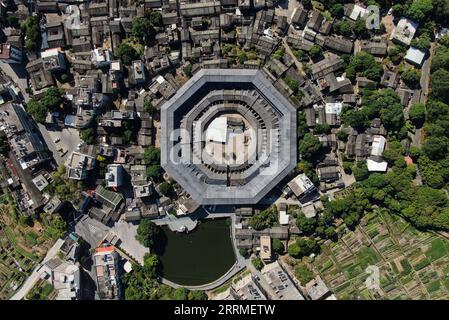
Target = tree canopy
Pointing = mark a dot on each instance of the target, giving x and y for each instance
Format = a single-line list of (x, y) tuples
[(264, 219), (30, 28), (309, 146), (364, 65), (126, 53), (147, 231)]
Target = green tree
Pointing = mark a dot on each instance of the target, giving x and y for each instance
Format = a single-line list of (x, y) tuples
[(315, 52), (392, 117), (411, 77), (363, 64), (147, 231), (360, 170), (57, 226), (31, 29), (303, 274), (356, 119), (342, 135), (4, 147), (11, 21), (344, 28), (440, 59), (154, 171), (197, 295), (165, 188), (360, 27), (52, 98), (188, 70), (419, 10), (337, 10), (148, 107), (143, 29), (398, 9), (126, 53), (151, 265), (264, 219), (152, 155), (257, 263), (180, 294), (309, 146), (435, 147), (303, 247), (277, 246), (417, 113), (306, 225), (322, 128), (293, 84), (422, 42), (440, 85), (88, 135), (37, 111), (155, 18)]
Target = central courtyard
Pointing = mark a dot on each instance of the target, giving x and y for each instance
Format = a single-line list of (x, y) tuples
[(228, 136)]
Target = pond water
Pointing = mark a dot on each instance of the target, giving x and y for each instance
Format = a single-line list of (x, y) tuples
[(199, 257)]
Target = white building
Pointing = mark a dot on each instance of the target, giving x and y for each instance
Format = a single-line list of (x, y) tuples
[(101, 57), (64, 276), (378, 146), (301, 186), (78, 165), (404, 32), (415, 56), (375, 161), (53, 59), (358, 12), (114, 175)]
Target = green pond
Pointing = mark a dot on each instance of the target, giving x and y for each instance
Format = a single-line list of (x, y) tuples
[(199, 257)]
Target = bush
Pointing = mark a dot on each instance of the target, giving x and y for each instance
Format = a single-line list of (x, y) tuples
[(147, 231), (303, 274), (165, 188), (277, 246), (417, 113), (257, 263), (264, 219)]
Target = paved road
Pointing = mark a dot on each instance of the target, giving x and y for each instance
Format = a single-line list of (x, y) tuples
[(34, 277), (425, 74), (18, 75), (68, 140)]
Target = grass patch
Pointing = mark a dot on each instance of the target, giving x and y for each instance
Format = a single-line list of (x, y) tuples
[(367, 256), (406, 266), (433, 286), (31, 238), (10, 235), (437, 250), (328, 264), (25, 253), (422, 264)]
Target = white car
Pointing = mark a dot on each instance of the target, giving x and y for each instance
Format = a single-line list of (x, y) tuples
[(390, 12), (56, 140)]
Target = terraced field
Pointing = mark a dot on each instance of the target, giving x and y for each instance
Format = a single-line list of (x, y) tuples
[(412, 264)]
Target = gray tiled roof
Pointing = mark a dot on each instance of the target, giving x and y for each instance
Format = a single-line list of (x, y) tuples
[(282, 159)]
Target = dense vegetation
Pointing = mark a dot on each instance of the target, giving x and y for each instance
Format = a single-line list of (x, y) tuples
[(142, 284), (32, 34), (50, 102), (151, 158), (147, 232), (264, 219)]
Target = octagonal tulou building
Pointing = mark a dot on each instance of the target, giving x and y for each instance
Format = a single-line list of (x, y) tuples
[(228, 136)]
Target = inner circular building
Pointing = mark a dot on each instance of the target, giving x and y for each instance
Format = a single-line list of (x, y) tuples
[(228, 136)]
